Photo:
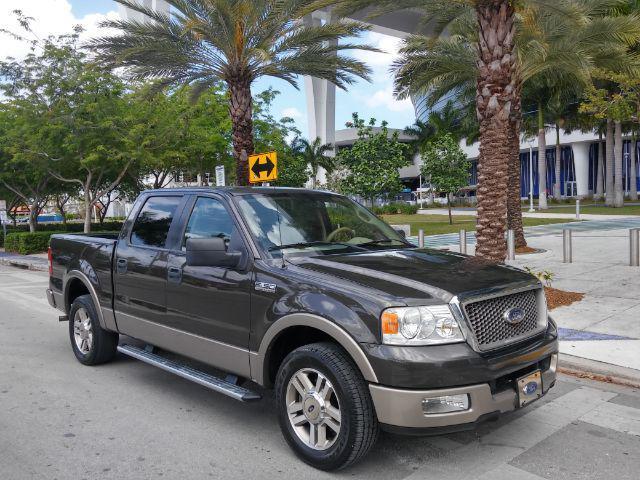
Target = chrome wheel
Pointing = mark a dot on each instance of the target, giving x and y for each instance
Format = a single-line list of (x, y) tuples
[(82, 331), (313, 408)]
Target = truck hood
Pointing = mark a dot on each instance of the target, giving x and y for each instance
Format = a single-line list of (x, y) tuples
[(415, 275)]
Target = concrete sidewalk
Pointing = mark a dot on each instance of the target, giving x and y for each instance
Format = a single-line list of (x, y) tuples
[(37, 262), (605, 326)]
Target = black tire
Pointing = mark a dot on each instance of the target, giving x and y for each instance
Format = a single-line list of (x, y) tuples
[(104, 343), (358, 424)]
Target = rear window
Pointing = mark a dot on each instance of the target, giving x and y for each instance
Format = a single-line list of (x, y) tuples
[(152, 224)]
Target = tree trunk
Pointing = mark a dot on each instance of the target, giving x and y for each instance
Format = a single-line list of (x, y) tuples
[(514, 204), (240, 110), (87, 211), (558, 165), (618, 200), (449, 207), (608, 189), (633, 171), (599, 190), (33, 216), (494, 99), (542, 162)]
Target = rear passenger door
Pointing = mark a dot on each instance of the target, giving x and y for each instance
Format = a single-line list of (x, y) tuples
[(140, 265)]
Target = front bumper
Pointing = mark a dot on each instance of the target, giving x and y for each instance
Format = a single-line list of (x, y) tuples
[(400, 410)]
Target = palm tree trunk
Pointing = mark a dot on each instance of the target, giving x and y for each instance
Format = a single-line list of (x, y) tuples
[(633, 171), (542, 162), (495, 96), (618, 200), (558, 165), (600, 170), (514, 206), (608, 189), (240, 110)]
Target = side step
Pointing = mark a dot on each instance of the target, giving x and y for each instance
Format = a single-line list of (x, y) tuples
[(197, 376)]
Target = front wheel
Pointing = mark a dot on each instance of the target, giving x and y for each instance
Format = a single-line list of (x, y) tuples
[(325, 410), (91, 343)]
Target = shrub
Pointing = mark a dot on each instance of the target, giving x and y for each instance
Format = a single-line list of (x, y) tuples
[(396, 208), (26, 243)]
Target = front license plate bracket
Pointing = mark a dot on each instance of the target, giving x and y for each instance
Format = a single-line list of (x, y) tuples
[(529, 388)]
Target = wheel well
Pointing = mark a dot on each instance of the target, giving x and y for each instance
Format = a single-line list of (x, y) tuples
[(287, 342), (75, 289)]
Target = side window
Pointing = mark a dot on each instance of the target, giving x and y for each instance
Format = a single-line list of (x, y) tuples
[(152, 225), (209, 219)]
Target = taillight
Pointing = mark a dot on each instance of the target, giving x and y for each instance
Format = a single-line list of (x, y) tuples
[(50, 258)]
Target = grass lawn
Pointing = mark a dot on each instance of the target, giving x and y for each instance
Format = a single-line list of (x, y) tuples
[(594, 209), (436, 224)]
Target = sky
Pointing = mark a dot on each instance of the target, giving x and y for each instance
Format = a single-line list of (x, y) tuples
[(373, 99)]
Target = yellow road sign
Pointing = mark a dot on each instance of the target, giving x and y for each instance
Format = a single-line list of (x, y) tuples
[(263, 167)]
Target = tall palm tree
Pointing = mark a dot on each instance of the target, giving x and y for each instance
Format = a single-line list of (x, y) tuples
[(203, 42), (315, 155)]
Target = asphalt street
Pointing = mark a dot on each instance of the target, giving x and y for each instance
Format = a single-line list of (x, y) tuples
[(128, 420)]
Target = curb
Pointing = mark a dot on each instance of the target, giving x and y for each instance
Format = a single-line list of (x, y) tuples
[(24, 264), (599, 371)]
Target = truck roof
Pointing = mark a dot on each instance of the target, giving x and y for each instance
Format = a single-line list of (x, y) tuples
[(233, 190)]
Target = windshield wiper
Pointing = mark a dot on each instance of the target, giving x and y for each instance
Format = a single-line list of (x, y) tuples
[(381, 242)]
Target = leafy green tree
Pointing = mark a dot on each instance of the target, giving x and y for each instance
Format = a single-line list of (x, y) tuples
[(446, 165), (373, 161), (236, 42), (315, 155)]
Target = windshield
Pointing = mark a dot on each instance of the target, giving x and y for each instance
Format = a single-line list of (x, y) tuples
[(314, 224)]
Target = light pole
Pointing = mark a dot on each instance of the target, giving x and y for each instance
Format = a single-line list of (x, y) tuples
[(531, 209)]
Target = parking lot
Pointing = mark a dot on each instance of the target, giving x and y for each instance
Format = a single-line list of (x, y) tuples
[(61, 420)]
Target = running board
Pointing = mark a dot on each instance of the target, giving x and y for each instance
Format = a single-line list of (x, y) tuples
[(206, 380)]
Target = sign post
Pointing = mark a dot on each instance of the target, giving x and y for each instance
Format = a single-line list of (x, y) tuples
[(263, 167), (220, 180)]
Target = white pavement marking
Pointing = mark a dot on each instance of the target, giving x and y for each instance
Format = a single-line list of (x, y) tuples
[(616, 417), (506, 443), (624, 353), (508, 472)]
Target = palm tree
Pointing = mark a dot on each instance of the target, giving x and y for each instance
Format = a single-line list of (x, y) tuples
[(234, 41), (315, 155)]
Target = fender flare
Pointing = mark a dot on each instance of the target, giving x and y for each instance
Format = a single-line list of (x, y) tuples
[(257, 359), (77, 274)]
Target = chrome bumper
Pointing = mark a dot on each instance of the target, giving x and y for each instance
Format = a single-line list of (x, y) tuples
[(50, 298), (403, 408)]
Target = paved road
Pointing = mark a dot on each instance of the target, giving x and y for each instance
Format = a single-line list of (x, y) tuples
[(127, 420)]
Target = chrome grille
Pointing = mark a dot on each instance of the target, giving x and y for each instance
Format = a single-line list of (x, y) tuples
[(486, 319)]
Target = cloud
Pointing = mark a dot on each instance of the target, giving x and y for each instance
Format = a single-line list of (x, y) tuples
[(291, 112), (384, 98), (51, 17), (388, 45)]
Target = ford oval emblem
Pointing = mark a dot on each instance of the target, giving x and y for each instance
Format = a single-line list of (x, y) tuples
[(514, 315), (530, 388)]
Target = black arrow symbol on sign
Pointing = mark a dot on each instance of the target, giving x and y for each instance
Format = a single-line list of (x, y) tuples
[(258, 167)]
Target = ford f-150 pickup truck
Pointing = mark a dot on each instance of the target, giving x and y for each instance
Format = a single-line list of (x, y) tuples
[(310, 293)]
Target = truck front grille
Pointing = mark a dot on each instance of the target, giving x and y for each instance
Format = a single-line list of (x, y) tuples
[(487, 319)]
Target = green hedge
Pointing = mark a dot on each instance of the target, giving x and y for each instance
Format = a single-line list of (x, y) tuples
[(26, 243), (396, 208), (62, 228)]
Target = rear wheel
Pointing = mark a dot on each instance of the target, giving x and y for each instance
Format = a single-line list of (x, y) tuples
[(91, 344), (325, 410)]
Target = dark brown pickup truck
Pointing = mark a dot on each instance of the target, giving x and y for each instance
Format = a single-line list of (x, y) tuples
[(308, 292)]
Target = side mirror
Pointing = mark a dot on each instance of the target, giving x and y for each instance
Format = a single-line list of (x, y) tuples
[(401, 232), (210, 252)]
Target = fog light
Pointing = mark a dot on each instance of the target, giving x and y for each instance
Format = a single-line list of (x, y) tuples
[(445, 404)]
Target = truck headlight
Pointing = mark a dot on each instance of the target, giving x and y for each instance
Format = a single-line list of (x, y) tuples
[(431, 325)]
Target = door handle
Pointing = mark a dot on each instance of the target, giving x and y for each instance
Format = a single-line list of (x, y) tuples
[(121, 265), (174, 274)]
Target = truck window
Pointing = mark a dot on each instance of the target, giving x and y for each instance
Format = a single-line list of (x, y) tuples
[(209, 219), (152, 225)]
